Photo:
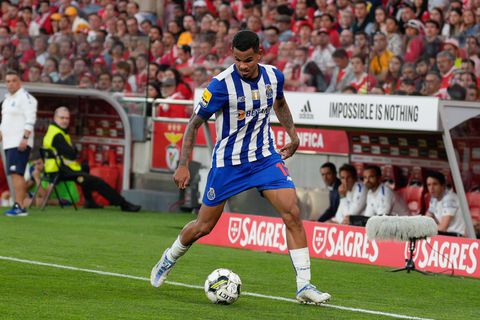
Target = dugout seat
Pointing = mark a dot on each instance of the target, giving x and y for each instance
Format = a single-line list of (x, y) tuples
[(108, 174), (391, 176), (413, 196), (473, 199), (53, 179)]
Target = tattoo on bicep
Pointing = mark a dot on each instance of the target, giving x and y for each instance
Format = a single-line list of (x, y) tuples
[(189, 138), (282, 111)]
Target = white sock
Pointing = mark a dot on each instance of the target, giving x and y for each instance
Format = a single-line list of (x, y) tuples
[(176, 250), (301, 263)]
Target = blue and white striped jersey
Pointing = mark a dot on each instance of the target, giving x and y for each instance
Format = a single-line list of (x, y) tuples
[(242, 108)]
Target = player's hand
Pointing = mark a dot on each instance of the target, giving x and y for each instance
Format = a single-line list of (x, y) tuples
[(346, 220), (181, 177), (289, 149), (23, 145)]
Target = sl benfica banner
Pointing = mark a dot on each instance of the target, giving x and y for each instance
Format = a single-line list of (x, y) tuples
[(347, 243), (167, 142)]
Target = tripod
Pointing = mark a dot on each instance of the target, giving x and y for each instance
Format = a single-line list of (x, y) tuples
[(409, 263)]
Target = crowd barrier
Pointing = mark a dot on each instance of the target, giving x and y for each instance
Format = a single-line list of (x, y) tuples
[(439, 254)]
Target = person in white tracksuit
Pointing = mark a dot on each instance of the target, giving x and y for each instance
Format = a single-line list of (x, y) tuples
[(19, 113), (444, 205), (381, 200), (353, 195)]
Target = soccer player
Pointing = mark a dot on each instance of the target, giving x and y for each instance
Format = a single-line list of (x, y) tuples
[(381, 200), (242, 97), (328, 171), (19, 113), (444, 205), (353, 195)]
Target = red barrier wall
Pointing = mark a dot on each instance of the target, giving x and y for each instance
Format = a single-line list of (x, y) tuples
[(347, 243)]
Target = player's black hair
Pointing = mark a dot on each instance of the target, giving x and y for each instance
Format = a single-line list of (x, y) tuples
[(437, 176), (245, 40), (349, 168), (330, 166), (376, 169)]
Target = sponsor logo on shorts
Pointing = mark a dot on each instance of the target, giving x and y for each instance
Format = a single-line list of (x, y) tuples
[(211, 194)]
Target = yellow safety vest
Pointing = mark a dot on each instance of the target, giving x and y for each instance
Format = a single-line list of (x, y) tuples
[(52, 165)]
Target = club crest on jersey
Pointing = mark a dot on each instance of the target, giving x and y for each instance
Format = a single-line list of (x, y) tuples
[(241, 114), (207, 95), (269, 91), (211, 194), (241, 99)]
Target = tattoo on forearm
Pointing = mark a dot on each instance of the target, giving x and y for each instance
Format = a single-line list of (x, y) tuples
[(282, 111), (189, 139)]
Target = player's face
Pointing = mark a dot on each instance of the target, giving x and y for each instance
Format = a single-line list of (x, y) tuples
[(370, 179), (347, 180), (247, 62), (435, 189), (13, 83), (63, 119), (328, 176)]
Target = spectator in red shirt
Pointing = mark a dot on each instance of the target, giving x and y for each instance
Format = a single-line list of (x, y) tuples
[(345, 21), (360, 44), (104, 82), (271, 45), (327, 22), (414, 40), (363, 82), (181, 86), (432, 87), (392, 78), (346, 41), (43, 17), (34, 73), (155, 34), (446, 66), (118, 83), (172, 110), (342, 73), (304, 33)]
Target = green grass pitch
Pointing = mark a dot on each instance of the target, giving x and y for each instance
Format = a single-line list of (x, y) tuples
[(130, 244)]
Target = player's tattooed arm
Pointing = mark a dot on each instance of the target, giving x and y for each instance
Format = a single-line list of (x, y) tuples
[(282, 111), (189, 138), (181, 177)]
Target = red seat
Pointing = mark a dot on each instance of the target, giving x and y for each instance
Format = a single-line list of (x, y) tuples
[(391, 176), (473, 199), (413, 196), (109, 175)]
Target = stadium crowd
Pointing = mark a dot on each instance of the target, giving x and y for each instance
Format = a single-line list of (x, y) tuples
[(404, 47)]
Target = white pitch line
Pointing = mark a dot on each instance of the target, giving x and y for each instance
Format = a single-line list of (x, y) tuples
[(252, 294)]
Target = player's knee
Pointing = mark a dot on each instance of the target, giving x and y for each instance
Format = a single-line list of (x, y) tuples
[(291, 217), (203, 229)]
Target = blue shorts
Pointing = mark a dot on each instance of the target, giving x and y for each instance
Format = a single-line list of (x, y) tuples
[(265, 174), (17, 160)]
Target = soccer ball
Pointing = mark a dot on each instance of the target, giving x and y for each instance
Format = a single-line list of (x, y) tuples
[(223, 286)]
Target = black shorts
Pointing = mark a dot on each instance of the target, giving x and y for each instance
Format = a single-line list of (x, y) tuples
[(17, 160)]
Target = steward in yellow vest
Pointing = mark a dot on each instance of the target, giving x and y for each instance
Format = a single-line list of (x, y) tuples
[(66, 164)]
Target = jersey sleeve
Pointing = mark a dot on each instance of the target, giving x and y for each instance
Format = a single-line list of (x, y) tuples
[(29, 104), (385, 205), (449, 205), (214, 97), (280, 83), (359, 200)]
